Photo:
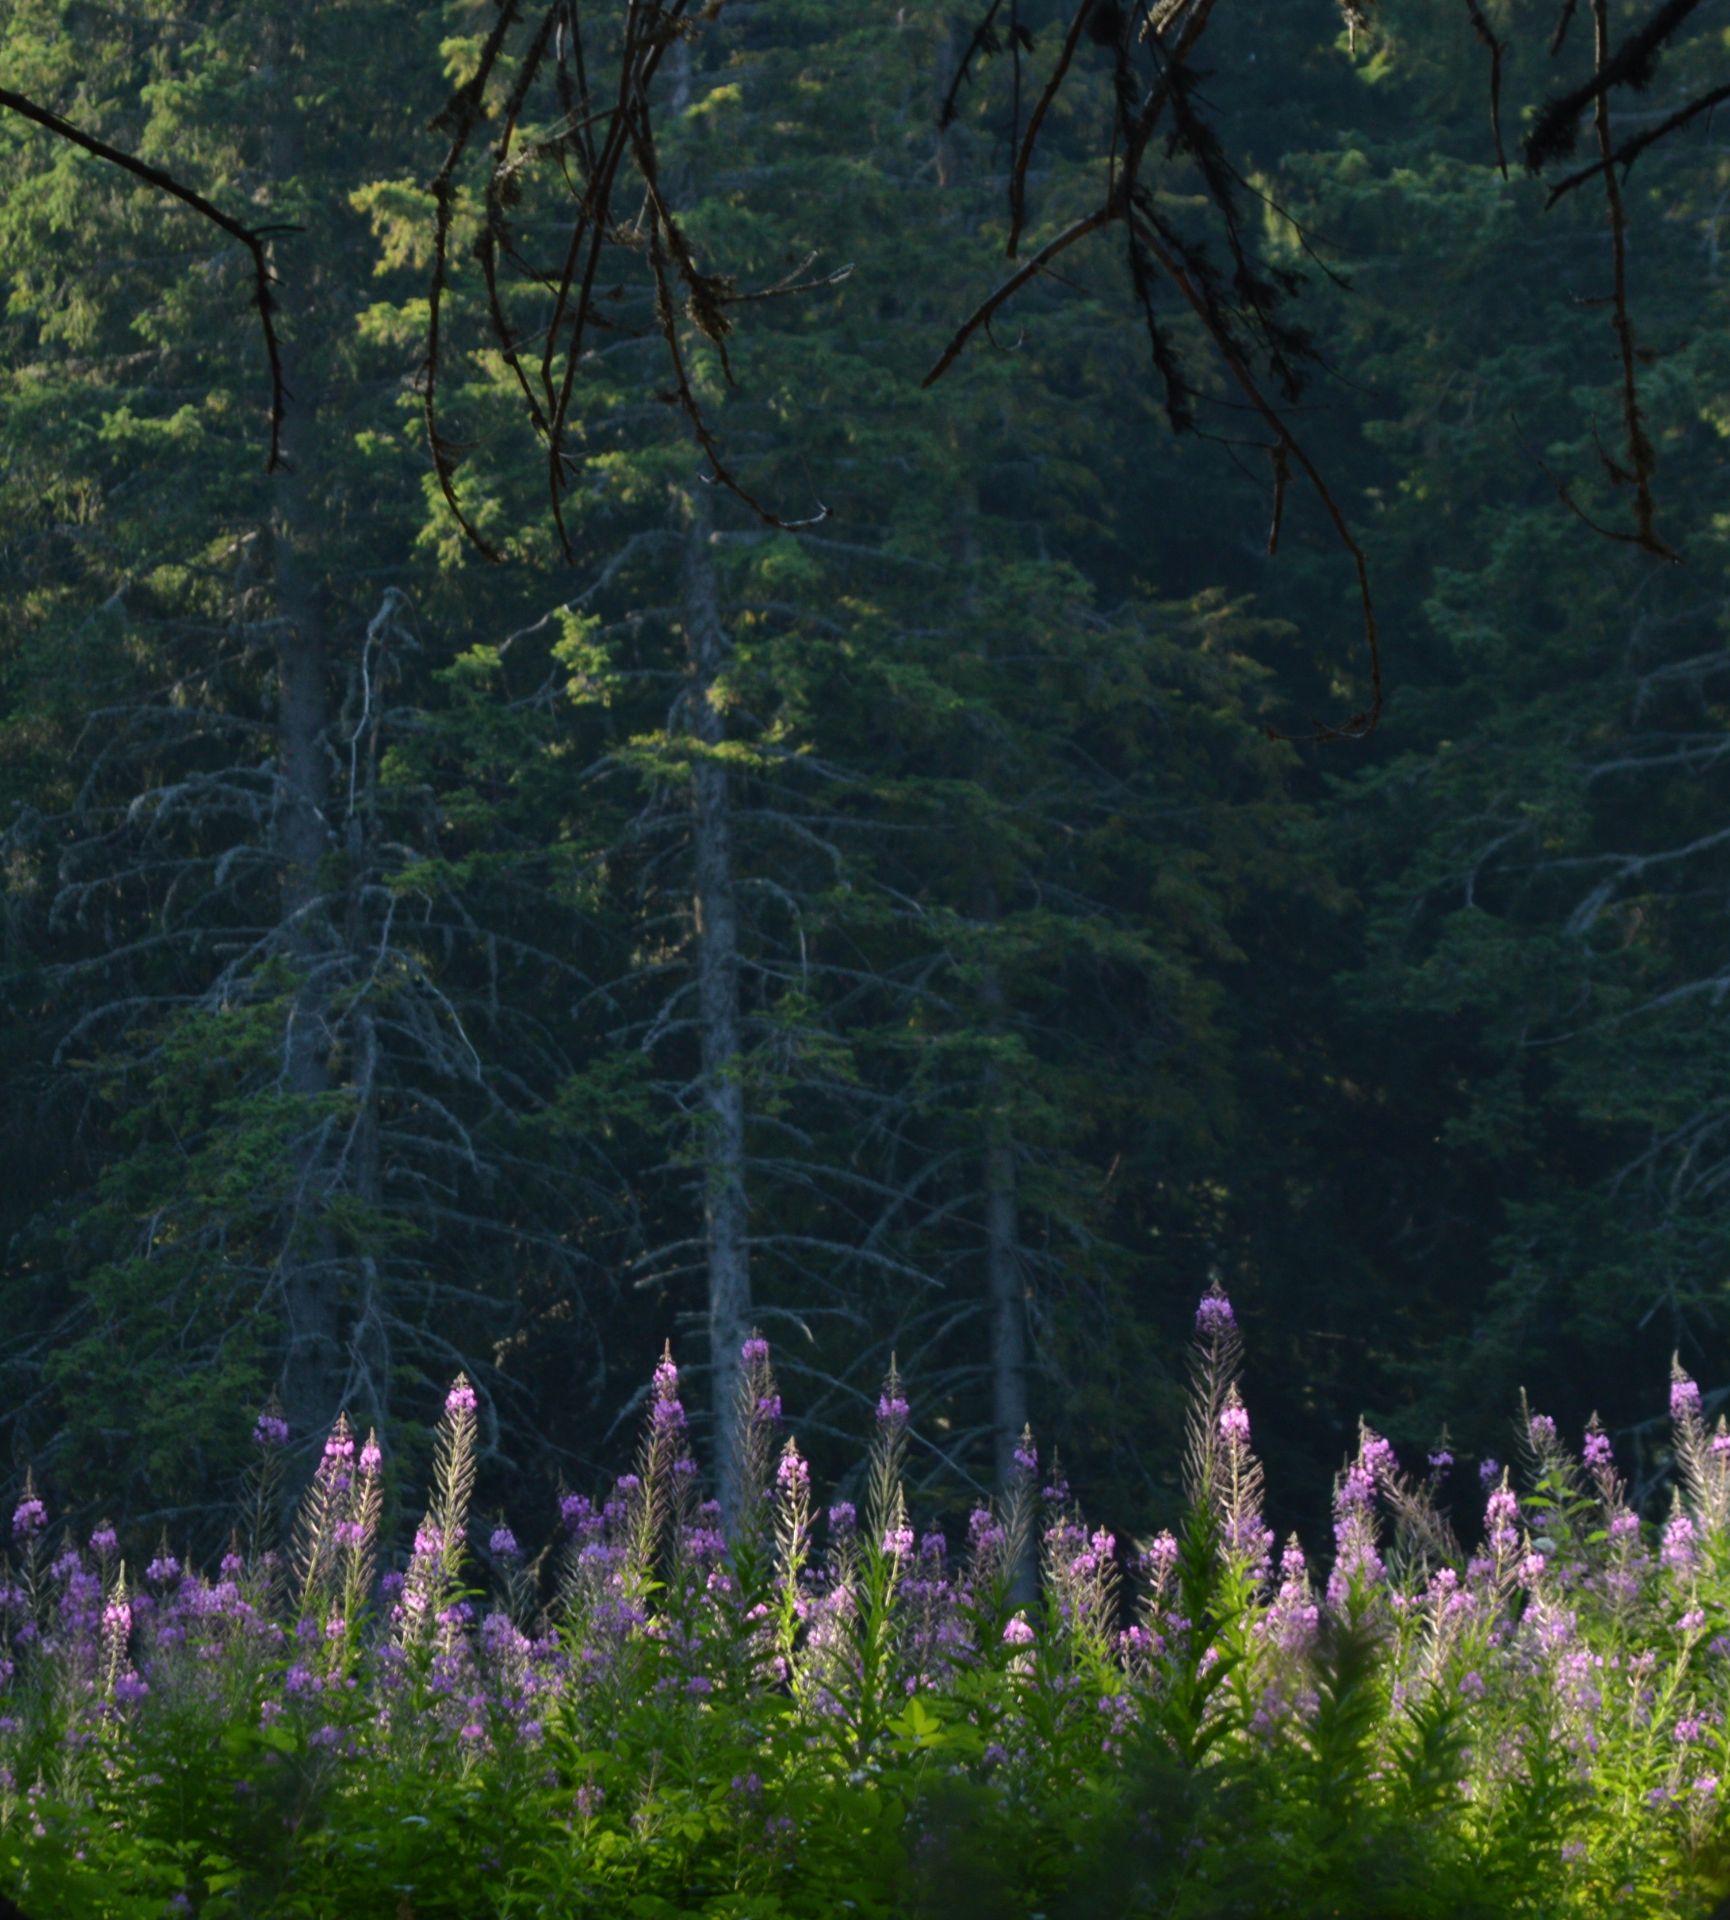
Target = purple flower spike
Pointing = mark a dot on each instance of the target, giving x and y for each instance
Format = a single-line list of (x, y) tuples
[(461, 1398), (1161, 1554), (892, 1410), (1018, 1633), (1357, 1490), (1214, 1317), (370, 1459), (104, 1540), (755, 1351), (1378, 1457), (270, 1430), (1234, 1426), (1598, 1454), (29, 1517), (503, 1544), (1501, 1520), (1441, 1460), (1542, 1430), (1678, 1551), (984, 1535), (1684, 1399)]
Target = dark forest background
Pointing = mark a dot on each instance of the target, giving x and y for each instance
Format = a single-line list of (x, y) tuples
[(903, 934)]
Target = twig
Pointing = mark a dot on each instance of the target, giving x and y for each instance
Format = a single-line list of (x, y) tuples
[(1024, 158), (1079, 230), (1564, 20), (1281, 461), (983, 41)]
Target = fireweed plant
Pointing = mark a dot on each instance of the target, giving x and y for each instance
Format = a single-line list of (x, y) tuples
[(836, 1713)]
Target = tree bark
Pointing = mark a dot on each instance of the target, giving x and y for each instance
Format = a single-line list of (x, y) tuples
[(311, 1375), (1006, 1290), (1005, 1282), (1005, 1275), (715, 909)]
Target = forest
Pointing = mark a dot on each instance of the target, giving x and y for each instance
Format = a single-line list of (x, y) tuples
[(768, 719)]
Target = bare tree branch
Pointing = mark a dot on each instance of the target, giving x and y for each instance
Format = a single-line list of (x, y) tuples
[(252, 238)]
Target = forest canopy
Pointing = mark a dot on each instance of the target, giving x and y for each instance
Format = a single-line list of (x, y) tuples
[(681, 668)]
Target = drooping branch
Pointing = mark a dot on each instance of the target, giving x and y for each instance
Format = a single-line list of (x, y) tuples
[(605, 147), (1150, 43), (1630, 150), (1238, 306), (1632, 64), (1288, 447), (252, 238), (984, 40), (1031, 270), (1035, 120), (1641, 457), (1487, 35), (1564, 20)]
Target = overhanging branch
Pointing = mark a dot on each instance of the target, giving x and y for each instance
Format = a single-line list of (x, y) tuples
[(252, 238)]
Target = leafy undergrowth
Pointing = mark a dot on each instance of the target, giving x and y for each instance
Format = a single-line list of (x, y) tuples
[(690, 1724)]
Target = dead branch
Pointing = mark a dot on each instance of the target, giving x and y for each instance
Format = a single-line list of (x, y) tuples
[(1630, 150), (1641, 456), (252, 238), (605, 148), (1632, 64), (1363, 722), (1482, 28)]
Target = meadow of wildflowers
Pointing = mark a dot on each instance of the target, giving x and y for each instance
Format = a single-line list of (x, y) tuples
[(836, 1712)]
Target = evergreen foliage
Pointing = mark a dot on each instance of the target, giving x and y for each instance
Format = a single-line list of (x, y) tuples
[(929, 933)]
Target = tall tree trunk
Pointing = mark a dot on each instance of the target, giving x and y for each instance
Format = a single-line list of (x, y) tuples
[(367, 1351), (1005, 1276), (1005, 1273), (311, 1375), (1005, 1286), (715, 906)]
